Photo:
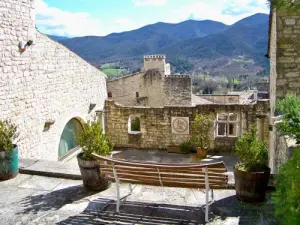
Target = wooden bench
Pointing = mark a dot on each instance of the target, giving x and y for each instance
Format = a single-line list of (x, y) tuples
[(201, 176)]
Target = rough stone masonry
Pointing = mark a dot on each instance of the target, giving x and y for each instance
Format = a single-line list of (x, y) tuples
[(45, 82)]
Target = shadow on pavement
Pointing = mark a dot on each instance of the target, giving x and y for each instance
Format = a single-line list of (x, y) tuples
[(53, 200), (248, 213), (103, 211)]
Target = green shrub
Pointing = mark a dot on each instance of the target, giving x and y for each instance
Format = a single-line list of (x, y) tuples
[(287, 195), (290, 110), (286, 198), (187, 147), (8, 133), (93, 140), (135, 124), (252, 153), (201, 125)]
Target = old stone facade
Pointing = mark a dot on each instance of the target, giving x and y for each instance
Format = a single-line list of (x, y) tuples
[(156, 124), (284, 53), (154, 87), (46, 82)]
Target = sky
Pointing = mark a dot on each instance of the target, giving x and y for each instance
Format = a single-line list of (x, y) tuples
[(73, 18)]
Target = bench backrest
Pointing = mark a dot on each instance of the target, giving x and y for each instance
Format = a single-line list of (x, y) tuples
[(163, 174)]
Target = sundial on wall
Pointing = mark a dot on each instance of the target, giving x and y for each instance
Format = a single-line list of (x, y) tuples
[(180, 125)]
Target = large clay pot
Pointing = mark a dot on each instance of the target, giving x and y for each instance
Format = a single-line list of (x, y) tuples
[(202, 153), (251, 186), (91, 175), (9, 164)]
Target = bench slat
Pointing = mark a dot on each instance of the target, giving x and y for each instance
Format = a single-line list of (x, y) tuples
[(162, 166), (170, 184), (165, 174), (168, 176), (183, 170)]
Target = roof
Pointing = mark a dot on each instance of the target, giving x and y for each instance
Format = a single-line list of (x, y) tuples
[(246, 97), (197, 100)]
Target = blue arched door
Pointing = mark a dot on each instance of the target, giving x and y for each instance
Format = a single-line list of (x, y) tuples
[(68, 138)]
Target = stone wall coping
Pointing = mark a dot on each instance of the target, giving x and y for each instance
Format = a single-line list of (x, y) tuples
[(179, 106), (124, 77), (74, 54), (157, 56), (186, 76)]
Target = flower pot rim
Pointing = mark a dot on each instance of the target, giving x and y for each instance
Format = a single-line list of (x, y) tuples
[(268, 169)]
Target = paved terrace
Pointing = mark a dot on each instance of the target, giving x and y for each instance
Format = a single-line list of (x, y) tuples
[(32, 199)]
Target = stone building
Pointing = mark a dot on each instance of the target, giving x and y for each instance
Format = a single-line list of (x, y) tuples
[(45, 89), (284, 53), (153, 87), (144, 110)]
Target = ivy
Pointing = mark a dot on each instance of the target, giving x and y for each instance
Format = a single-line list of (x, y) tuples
[(290, 6)]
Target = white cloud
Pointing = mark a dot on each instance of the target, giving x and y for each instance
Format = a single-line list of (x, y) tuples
[(149, 2), (226, 11), (59, 22), (125, 24)]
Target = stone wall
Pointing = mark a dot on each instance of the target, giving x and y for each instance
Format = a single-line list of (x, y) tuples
[(155, 62), (46, 82), (151, 88), (156, 129), (288, 54), (284, 52), (124, 89), (178, 90)]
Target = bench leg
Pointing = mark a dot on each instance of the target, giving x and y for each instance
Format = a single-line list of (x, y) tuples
[(118, 190), (206, 195)]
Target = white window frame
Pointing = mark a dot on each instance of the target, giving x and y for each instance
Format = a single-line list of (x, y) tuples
[(227, 122), (129, 124)]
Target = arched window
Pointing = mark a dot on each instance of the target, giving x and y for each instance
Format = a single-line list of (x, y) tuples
[(68, 138)]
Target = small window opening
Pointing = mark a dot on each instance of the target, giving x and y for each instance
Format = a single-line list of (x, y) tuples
[(227, 125), (134, 125), (137, 94), (109, 94)]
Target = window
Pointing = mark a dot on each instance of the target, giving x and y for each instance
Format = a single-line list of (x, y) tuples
[(109, 94), (134, 125), (227, 125), (68, 138)]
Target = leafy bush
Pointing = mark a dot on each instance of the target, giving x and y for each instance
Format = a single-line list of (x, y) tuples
[(93, 140), (8, 133), (252, 153), (135, 124), (290, 110), (287, 195), (200, 127), (286, 198), (187, 147)]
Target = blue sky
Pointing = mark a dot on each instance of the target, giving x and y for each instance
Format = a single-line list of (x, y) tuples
[(101, 17)]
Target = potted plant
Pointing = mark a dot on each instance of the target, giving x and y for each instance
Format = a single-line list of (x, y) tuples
[(8, 150), (93, 140), (201, 136), (251, 174)]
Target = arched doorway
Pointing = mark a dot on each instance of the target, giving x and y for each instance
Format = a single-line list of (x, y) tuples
[(67, 141)]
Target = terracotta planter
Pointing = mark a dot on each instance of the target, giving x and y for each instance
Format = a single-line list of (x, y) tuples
[(202, 153), (251, 186), (91, 175)]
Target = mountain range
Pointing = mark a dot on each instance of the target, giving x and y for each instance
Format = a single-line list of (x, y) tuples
[(191, 46)]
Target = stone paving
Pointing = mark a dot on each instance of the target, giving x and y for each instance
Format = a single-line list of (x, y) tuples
[(30, 199)]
